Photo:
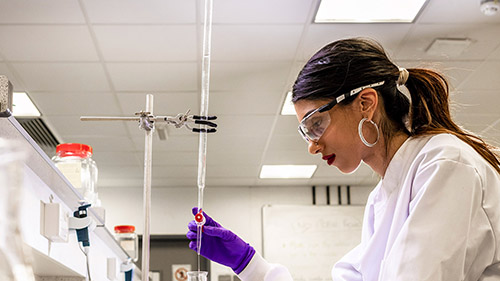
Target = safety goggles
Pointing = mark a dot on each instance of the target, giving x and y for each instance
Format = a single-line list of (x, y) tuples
[(314, 124)]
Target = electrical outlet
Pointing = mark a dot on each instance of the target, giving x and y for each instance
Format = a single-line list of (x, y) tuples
[(55, 223)]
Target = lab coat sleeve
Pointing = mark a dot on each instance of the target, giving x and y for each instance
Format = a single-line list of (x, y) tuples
[(344, 270), (258, 269), (432, 244)]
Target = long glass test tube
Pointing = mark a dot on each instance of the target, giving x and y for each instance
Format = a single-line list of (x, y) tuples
[(205, 90)]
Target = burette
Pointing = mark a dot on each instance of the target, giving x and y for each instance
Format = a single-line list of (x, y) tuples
[(147, 121), (205, 90)]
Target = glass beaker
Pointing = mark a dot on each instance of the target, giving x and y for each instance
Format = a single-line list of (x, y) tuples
[(197, 275)]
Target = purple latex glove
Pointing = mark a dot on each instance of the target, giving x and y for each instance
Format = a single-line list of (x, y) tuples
[(220, 245)]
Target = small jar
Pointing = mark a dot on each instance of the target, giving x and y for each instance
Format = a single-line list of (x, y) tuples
[(74, 160), (128, 240)]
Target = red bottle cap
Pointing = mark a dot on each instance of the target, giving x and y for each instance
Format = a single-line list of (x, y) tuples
[(74, 149), (124, 228)]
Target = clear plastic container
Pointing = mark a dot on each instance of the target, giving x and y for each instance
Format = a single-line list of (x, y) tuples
[(74, 160), (127, 238)]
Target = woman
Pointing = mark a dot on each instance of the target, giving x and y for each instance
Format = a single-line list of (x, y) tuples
[(434, 215)]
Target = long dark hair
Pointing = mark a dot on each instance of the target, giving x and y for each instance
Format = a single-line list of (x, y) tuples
[(350, 63)]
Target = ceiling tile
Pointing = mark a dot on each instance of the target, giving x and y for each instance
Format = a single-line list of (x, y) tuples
[(147, 12), (485, 78), (219, 143), (125, 171), (72, 126), (175, 171), (47, 43), (232, 171), (43, 12), (5, 70), (422, 36), (475, 123), (104, 143), (255, 42), (496, 54), (187, 143), (69, 77), (154, 76), (455, 71), (249, 77), (164, 104), (147, 42), (83, 104), (262, 11), (137, 135), (234, 157), (287, 125), (477, 102), (454, 11), (287, 142), (116, 158), (172, 158), (244, 125), (294, 73), (259, 102), (318, 35)]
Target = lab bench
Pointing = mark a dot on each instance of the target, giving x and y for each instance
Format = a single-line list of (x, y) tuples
[(44, 183)]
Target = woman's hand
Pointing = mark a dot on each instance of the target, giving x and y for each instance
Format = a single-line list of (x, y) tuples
[(220, 245)]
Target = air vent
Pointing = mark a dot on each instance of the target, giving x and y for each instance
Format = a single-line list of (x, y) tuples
[(40, 133)]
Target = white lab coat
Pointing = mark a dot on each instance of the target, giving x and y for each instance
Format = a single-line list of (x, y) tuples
[(434, 216)]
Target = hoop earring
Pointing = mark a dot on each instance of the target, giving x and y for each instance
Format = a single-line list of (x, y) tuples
[(362, 137)]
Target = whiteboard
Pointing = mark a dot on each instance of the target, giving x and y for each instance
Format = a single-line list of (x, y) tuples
[(309, 240)]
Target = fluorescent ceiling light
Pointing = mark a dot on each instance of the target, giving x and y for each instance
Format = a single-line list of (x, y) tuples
[(23, 106), (288, 108), (287, 171), (366, 11)]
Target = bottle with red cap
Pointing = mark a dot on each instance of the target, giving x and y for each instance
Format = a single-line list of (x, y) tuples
[(75, 162), (127, 238)]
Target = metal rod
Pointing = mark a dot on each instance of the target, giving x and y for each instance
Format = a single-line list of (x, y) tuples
[(148, 158), (106, 118)]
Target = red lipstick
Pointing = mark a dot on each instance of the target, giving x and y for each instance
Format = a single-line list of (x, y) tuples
[(329, 158)]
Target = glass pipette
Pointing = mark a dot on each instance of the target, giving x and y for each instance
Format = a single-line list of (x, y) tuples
[(202, 153)]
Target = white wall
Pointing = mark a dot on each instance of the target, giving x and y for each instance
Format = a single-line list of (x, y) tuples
[(236, 208)]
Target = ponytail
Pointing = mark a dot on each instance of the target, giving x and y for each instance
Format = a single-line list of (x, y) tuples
[(430, 112)]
